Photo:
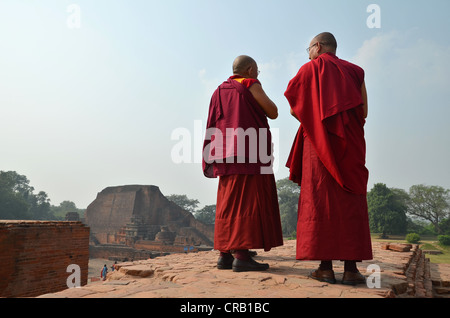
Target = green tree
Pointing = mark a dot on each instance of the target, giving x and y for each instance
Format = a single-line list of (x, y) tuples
[(184, 202), (445, 226), (387, 210), (65, 206), (431, 203), (17, 200), (288, 195), (40, 206), (207, 214), (13, 204), (16, 183), (420, 227)]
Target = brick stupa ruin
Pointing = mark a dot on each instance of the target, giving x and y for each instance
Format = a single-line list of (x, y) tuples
[(138, 222)]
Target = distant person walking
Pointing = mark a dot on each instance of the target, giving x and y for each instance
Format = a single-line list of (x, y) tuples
[(239, 152), (328, 96), (104, 272)]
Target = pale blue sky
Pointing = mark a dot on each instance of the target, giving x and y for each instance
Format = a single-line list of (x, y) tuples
[(86, 108)]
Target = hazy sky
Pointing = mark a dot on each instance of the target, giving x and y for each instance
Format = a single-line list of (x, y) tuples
[(93, 93)]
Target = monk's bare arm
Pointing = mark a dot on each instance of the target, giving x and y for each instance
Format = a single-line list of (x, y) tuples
[(364, 98), (264, 101)]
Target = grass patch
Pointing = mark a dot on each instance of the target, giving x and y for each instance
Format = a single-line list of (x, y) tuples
[(429, 246), (426, 243), (443, 258)]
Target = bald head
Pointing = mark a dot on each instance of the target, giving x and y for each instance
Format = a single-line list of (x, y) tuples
[(327, 40), (242, 65)]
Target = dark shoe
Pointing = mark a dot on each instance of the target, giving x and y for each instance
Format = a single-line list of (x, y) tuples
[(250, 265), (351, 278), (323, 276), (225, 262)]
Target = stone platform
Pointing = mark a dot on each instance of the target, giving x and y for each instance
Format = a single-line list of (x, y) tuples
[(194, 275)]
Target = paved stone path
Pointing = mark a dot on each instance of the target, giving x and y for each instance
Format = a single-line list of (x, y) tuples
[(195, 275)]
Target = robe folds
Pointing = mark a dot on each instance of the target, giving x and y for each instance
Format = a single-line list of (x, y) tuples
[(247, 213), (238, 150), (238, 138), (327, 160)]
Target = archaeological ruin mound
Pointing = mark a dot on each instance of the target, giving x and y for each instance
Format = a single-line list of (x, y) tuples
[(140, 218)]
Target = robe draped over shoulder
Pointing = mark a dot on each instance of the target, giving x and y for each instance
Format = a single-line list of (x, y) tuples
[(327, 160), (238, 150), (322, 94), (238, 138)]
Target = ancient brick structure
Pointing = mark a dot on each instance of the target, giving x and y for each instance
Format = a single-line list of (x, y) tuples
[(35, 256), (141, 217)]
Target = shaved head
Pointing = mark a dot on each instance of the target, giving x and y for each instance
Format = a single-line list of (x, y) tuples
[(328, 40), (242, 63)]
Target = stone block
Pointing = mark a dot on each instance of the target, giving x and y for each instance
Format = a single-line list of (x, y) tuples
[(398, 247)]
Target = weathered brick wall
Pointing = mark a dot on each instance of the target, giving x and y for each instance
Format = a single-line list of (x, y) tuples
[(34, 256)]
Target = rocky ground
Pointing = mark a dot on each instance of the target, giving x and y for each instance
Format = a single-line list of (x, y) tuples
[(390, 274)]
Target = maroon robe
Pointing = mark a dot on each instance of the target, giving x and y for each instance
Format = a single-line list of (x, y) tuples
[(233, 111), (247, 212), (327, 160)]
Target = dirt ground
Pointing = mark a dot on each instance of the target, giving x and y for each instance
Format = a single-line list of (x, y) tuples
[(96, 265)]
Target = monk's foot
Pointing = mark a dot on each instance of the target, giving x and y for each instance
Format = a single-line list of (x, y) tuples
[(323, 276), (225, 261), (248, 265), (353, 278)]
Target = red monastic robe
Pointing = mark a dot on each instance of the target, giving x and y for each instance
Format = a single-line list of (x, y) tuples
[(247, 212), (327, 160)]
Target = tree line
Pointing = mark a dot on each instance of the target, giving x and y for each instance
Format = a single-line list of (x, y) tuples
[(423, 209), (18, 201)]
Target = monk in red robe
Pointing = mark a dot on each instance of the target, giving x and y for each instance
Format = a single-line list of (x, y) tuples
[(327, 159), (238, 150)]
